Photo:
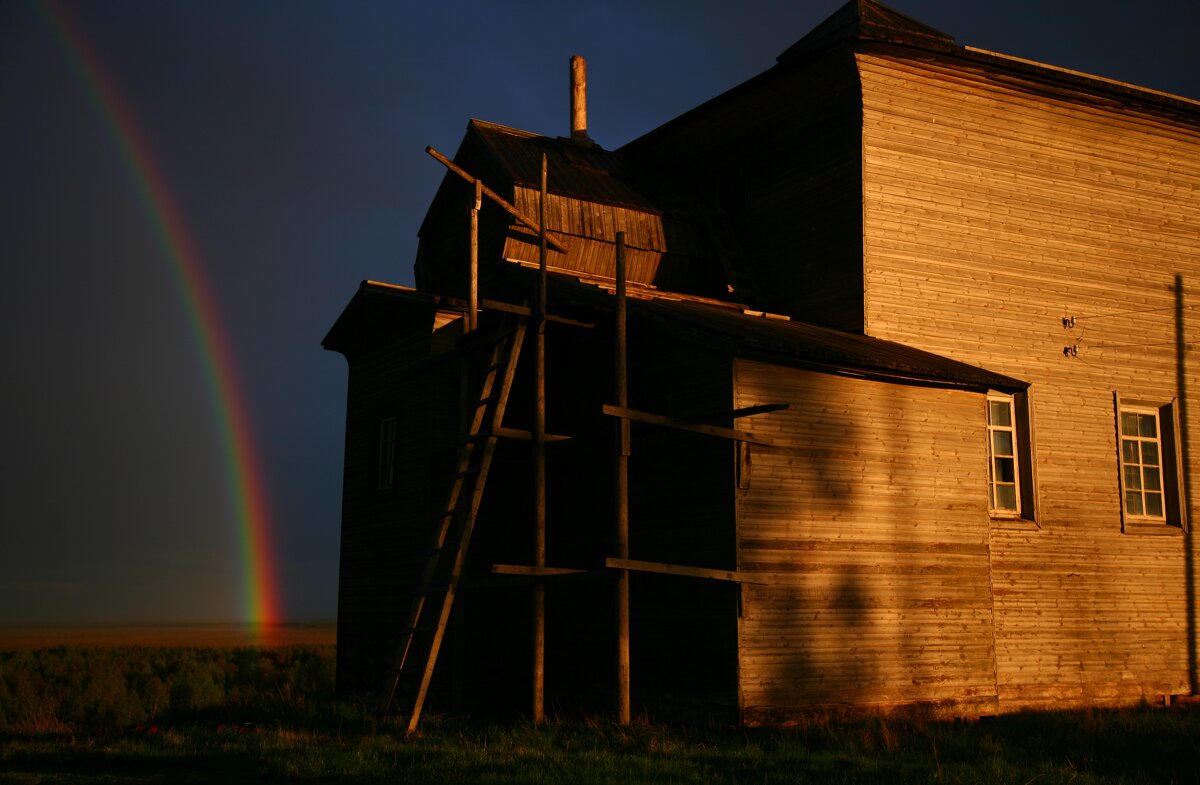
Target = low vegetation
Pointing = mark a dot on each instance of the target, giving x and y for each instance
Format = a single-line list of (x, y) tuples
[(144, 715)]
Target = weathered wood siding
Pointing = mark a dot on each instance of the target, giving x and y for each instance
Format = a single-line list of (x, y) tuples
[(993, 208), (589, 230), (661, 250), (871, 530), (782, 156), (381, 529)]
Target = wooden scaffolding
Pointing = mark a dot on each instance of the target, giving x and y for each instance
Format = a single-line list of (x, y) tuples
[(433, 598)]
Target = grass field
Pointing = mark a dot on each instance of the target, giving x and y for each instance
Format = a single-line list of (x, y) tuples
[(136, 715)]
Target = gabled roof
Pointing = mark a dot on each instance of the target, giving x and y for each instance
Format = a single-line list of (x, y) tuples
[(866, 19), (582, 171)]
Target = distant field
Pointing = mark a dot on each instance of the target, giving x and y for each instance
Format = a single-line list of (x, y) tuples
[(105, 715), (23, 637)]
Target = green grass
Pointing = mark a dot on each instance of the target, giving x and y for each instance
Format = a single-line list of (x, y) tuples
[(191, 716)]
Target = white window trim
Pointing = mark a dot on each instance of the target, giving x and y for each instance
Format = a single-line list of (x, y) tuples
[(1158, 444), (1170, 464), (1003, 512)]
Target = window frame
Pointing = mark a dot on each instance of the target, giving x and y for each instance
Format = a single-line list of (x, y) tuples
[(385, 455), (994, 483), (1026, 515), (1170, 467)]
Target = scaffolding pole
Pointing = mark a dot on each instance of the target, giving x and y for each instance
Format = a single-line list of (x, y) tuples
[(622, 493), (539, 464)]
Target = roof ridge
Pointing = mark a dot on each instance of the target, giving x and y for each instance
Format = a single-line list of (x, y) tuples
[(868, 19), (508, 129)]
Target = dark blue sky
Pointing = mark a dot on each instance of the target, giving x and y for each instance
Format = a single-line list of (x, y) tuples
[(292, 135)]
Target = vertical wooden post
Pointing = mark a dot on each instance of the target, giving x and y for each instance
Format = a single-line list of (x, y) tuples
[(539, 465), (622, 493), (458, 678), (473, 295)]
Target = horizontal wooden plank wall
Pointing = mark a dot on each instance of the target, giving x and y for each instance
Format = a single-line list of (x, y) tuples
[(589, 229), (783, 159), (385, 532), (991, 212), (872, 536)]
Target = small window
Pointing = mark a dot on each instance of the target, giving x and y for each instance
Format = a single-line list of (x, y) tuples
[(1150, 481), (387, 453), (1141, 464), (1011, 483), (1003, 486)]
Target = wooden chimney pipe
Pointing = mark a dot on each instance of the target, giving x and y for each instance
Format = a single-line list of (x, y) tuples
[(579, 100)]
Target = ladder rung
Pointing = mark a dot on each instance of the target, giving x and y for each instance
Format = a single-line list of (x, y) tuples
[(507, 331), (486, 400), (503, 361), (465, 473), (441, 588), (477, 437), (450, 513), (443, 549)]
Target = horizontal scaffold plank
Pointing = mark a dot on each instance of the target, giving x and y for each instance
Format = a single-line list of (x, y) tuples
[(683, 425), (681, 570), (517, 433), (529, 569)]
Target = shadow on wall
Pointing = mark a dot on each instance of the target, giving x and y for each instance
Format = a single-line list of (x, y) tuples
[(1189, 547), (871, 527)]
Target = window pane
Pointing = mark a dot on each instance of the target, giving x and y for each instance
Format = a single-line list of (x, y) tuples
[(999, 413), (1005, 470), (1133, 502), (1147, 425), (1002, 443), (1150, 453), (1154, 505), (1006, 497), (1150, 478), (1129, 451), (1129, 424), (1133, 479)]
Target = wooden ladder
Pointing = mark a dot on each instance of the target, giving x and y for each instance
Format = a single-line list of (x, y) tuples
[(421, 638), (733, 260)]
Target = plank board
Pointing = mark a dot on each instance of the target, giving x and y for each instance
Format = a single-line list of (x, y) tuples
[(991, 212)]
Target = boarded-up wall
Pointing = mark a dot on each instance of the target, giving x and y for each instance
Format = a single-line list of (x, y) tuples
[(870, 525), (994, 208)]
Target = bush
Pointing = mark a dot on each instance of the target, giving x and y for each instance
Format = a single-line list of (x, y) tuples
[(92, 689)]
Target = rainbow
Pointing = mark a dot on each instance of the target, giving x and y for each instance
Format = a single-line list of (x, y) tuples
[(248, 491)]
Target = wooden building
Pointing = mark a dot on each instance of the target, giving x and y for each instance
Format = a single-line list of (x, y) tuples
[(910, 366)]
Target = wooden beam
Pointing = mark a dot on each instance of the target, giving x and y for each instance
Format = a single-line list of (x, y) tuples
[(539, 465), (521, 310), (682, 571), (473, 290), (733, 414), (683, 425), (624, 715), (517, 433), (534, 570), (495, 197)]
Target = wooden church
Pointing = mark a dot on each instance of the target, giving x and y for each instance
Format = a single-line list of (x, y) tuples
[(864, 386)]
